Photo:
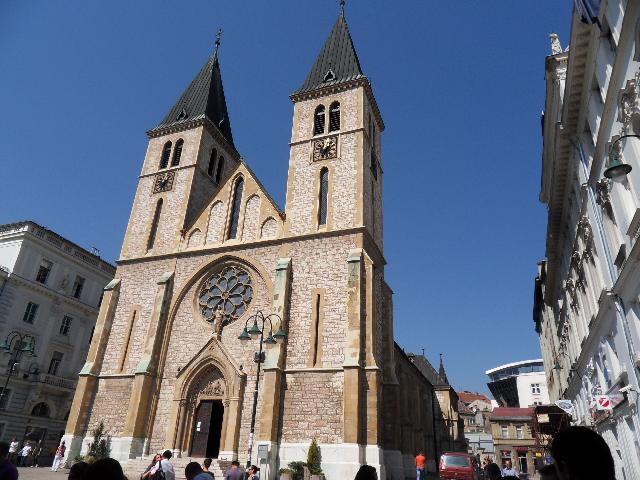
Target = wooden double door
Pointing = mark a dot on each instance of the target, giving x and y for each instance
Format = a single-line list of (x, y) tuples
[(207, 429)]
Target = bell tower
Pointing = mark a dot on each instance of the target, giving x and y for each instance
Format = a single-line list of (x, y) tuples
[(335, 169), (189, 155)]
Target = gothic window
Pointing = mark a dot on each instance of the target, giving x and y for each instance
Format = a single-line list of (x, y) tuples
[(235, 209), (219, 169), (212, 162), (125, 346), (228, 292), (318, 121), (177, 153), (166, 153), (322, 197), (154, 225), (40, 410), (334, 117)]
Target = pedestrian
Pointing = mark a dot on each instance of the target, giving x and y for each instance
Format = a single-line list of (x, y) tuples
[(78, 471), (24, 454), (165, 466), (59, 455), (206, 465), (508, 470), (13, 450), (193, 471), (105, 469), (35, 454), (420, 462), (147, 473), (8, 470), (234, 472), (569, 448), (252, 473), (366, 472)]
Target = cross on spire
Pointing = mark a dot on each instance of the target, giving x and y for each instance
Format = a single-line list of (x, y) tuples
[(217, 42), (342, 7)]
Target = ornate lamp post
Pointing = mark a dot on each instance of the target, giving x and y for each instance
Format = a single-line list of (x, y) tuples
[(617, 169), (259, 357), (16, 344)]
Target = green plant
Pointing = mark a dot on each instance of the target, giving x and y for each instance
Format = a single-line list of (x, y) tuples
[(297, 468), (313, 458), (285, 470), (99, 448)]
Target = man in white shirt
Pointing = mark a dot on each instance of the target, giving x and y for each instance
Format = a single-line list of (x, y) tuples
[(13, 450), (165, 465), (24, 453)]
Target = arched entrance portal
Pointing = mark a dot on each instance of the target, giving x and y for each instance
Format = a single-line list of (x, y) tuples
[(207, 429)]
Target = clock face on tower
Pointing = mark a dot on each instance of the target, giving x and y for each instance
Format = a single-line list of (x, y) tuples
[(325, 148), (163, 182)]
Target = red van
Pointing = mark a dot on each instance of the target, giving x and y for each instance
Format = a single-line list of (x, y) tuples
[(458, 466)]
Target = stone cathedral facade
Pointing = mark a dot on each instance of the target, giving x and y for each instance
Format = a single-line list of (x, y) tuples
[(206, 247)]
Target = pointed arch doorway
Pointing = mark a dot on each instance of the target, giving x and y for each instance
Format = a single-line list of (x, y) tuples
[(207, 430)]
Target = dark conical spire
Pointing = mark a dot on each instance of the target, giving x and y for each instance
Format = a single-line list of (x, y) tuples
[(442, 373), (203, 98), (337, 62)]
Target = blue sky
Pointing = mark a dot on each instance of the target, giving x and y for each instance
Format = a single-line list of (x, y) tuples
[(460, 86)]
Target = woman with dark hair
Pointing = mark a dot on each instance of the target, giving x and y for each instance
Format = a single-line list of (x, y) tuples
[(366, 472), (579, 453), (148, 471), (105, 469)]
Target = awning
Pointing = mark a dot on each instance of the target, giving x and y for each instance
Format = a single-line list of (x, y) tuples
[(522, 449)]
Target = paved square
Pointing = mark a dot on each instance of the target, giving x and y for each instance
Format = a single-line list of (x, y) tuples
[(43, 473)]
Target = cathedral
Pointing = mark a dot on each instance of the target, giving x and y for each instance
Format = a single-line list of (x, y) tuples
[(209, 261)]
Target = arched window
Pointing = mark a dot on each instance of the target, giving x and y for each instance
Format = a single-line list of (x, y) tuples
[(219, 169), (212, 162), (334, 117), (154, 225), (177, 153), (166, 152), (40, 410), (322, 196), (318, 121), (235, 209)]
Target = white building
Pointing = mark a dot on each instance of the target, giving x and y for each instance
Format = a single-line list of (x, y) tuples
[(50, 290), (587, 292), (519, 384)]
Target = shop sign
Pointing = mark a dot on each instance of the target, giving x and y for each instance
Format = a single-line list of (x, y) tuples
[(566, 405)]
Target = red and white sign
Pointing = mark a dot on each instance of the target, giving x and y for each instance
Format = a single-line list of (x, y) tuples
[(603, 403)]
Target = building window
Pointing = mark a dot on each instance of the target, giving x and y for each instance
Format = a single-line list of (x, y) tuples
[(154, 225), (323, 197), (65, 327), (235, 209), (504, 431), (519, 432), (535, 388), (30, 312), (318, 121), (44, 271), (40, 410), (78, 285), (166, 153), (177, 153), (334, 117), (374, 165), (219, 169), (212, 162), (5, 398), (54, 365)]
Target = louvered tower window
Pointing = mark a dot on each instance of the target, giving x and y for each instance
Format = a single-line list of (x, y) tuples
[(322, 197), (318, 121), (166, 153), (219, 169), (177, 153), (154, 225), (212, 162), (235, 210), (334, 117)]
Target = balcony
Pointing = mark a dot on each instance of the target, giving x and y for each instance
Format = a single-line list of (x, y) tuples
[(55, 381)]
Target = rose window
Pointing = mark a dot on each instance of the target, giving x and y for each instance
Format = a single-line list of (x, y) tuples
[(228, 292)]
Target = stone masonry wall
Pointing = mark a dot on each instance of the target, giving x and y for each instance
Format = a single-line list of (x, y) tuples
[(110, 405)]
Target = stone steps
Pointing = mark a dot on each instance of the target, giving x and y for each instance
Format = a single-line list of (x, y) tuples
[(136, 466)]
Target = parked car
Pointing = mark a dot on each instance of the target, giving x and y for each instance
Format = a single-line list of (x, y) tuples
[(458, 466)]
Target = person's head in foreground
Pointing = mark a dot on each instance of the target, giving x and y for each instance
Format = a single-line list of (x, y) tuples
[(78, 471), (207, 463), (167, 454), (235, 464), (579, 453), (366, 472), (4, 450), (493, 471), (548, 472), (191, 470), (105, 469)]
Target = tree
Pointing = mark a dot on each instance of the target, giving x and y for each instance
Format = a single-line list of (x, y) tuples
[(313, 458), (99, 448)]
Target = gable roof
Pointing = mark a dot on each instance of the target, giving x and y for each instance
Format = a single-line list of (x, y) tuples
[(337, 62), (468, 397), (512, 413), (203, 98)]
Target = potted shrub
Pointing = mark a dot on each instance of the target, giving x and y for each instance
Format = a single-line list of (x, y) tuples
[(297, 469), (285, 474), (313, 461)]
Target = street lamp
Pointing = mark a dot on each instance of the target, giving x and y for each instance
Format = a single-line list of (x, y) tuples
[(617, 169), (259, 357), (16, 344)]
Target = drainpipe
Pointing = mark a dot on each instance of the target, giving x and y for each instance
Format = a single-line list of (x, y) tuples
[(621, 313)]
